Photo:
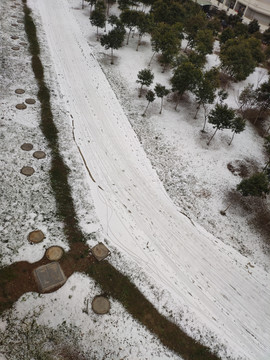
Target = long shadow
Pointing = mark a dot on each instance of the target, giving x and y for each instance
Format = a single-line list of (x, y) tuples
[(17, 279)]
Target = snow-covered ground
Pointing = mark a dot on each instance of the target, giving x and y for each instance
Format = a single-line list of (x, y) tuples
[(201, 280)]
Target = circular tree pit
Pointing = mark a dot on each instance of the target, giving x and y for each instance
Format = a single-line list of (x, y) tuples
[(19, 91), (27, 171), (39, 154), (30, 101), (101, 305), (21, 106), (54, 253), (26, 146), (36, 236)]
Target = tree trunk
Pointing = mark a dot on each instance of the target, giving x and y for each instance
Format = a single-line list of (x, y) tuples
[(223, 212), (111, 56), (258, 115), (197, 110), (177, 103), (232, 138), (212, 137), (146, 109), (205, 118), (82, 4), (139, 42), (152, 58), (140, 92), (161, 105), (266, 165), (266, 131), (128, 36)]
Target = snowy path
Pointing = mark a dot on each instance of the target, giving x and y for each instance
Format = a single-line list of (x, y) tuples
[(213, 280)]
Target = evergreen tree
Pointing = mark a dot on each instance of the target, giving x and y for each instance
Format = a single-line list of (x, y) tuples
[(253, 26), (185, 77), (166, 39), (238, 125), (203, 42), (161, 91), (192, 26), (256, 185), (129, 18), (236, 59), (221, 118), (205, 90), (144, 25), (113, 40), (98, 17), (145, 77), (150, 97)]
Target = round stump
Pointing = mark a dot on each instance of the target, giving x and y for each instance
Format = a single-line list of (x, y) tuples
[(19, 91), (30, 101), (101, 305), (14, 37), (39, 154), (36, 236), (27, 171), (54, 253), (15, 48), (26, 146), (21, 106)]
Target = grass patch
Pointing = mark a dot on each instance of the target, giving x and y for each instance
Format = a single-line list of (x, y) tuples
[(119, 287)]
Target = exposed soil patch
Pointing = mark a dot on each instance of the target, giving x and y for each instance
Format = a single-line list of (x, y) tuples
[(243, 168)]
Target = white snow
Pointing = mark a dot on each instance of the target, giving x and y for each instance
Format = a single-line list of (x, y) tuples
[(193, 271), (211, 278)]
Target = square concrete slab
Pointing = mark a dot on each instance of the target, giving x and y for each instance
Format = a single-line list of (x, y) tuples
[(100, 251), (49, 276)]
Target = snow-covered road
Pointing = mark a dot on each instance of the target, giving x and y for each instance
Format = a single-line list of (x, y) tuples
[(213, 280)]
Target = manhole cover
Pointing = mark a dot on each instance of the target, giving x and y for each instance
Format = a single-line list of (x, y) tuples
[(54, 253), (39, 154), (21, 106), (15, 48), (36, 236), (26, 146), (27, 171), (14, 37), (101, 305), (30, 101), (19, 91), (100, 251), (49, 276)]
